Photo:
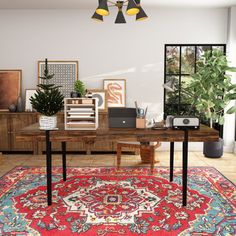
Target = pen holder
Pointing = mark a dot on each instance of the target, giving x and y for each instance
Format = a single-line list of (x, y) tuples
[(140, 123)]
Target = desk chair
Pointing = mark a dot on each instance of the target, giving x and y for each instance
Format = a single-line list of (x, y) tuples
[(147, 152)]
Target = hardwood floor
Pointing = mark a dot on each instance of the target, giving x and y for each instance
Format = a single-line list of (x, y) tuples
[(226, 164)]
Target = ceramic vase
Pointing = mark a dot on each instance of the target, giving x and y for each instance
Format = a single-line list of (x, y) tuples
[(19, 104), (12, 108)]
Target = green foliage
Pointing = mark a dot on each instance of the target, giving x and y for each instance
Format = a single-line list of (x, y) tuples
[(211, 87), (80, 87), (48, 100)]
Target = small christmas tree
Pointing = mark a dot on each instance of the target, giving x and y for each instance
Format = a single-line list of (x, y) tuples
[(48, 100)]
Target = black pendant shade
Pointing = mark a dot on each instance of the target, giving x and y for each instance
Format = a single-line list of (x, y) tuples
[(133, 8), (97, 17), (120, 19), (141, 15), (103, 8)]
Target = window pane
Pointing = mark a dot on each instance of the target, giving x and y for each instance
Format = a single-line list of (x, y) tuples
[(186, 109), (172, 60), (201, 50), (172, 96), (185, 97), (187, 60), (219, 47), (171, 109)]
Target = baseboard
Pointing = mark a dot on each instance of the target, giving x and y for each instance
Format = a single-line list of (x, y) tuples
[(193, 146), (235, 147), (197, 147), (229, 148)]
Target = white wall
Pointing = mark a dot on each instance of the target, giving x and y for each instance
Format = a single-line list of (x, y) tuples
[(134, 51), (229, 127)]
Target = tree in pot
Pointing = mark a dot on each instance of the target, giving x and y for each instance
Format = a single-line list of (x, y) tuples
[(212, 91), (48, 100)]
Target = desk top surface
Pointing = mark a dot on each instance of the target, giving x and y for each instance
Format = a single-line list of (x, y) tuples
[(115, 134)]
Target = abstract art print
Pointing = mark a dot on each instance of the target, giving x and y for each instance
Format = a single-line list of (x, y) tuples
[(115, 92), (65, 74), (10, 88), (101, 96), (28, 94)]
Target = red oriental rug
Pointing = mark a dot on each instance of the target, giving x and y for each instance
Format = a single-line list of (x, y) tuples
[(102, 201)]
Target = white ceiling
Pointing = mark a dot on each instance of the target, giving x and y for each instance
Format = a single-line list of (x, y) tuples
[(91, 4)]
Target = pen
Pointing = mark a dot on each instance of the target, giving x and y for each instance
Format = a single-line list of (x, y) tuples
[(145, 111), (136, 106)]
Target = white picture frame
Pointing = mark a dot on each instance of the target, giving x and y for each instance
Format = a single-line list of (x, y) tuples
[(29, 93), (101, 95)]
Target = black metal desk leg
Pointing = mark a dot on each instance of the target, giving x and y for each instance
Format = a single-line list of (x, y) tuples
[(49, 167), (172, 145), (63, 147), (185, 167)]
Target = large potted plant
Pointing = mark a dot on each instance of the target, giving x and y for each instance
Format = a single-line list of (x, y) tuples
[(48, 100), (212, 91)]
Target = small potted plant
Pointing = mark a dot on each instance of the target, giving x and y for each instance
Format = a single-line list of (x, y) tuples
[(47, 100), (213, 91), (79, 88)]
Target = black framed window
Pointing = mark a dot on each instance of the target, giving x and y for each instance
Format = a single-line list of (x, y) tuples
[(180, 63)]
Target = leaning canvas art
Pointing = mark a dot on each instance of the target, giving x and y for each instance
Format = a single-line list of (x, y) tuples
[(10, 87), (65, 74), (115, 92)]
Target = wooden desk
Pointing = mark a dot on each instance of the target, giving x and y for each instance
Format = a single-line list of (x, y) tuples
[(32, 132)]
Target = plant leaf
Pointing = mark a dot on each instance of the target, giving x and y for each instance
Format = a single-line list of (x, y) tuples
[(231, 110)]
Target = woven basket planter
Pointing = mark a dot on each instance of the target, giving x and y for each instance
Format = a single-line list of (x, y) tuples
[(47, 122)]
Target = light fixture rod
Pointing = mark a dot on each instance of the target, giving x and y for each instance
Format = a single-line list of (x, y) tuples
[(115, 2)]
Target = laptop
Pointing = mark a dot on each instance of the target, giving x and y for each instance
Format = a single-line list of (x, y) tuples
[(122, 117)]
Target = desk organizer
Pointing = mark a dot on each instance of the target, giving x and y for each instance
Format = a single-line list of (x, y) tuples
[(81, 113), (140, 123)]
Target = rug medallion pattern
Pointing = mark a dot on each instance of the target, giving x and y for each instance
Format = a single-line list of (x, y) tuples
[(104, 201)]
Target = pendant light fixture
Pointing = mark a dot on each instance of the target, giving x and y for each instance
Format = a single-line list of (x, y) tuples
[(133, 8)]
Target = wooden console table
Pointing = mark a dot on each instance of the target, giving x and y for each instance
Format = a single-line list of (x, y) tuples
[(32, 132)]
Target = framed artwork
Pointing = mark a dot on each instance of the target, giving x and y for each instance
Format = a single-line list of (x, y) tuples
[(29, 93), (101, 95), (65, 74), (10, 87), (116, 89)]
